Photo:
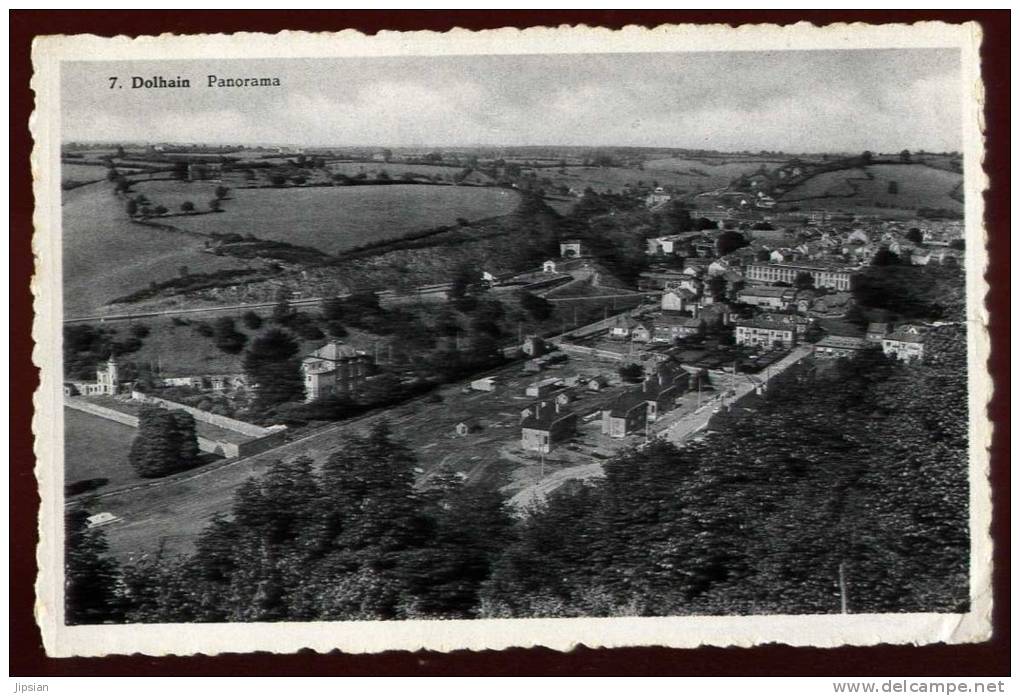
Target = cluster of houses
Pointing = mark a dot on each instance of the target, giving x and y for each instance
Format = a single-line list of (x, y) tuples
[(550, 422)]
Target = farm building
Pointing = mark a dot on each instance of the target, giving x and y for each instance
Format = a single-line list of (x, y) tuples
[(547, 425), (597, 383)]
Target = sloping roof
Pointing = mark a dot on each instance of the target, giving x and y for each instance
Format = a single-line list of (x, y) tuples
[(542, 416), (625, 402), (670, 320), (775, 326), (905, 337), (764, 291), (842, 342), (335, 351)]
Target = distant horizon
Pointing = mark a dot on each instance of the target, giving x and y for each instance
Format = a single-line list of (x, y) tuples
[(813, 101), (450, 147)]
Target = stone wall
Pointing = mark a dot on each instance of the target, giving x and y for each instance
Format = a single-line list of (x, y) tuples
[(224, 422), (262, 439), (79, 404)]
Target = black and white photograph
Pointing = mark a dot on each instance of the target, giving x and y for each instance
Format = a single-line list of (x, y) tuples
[(384, 339)]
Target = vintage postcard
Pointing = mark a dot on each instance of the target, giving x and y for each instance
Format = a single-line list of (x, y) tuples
[(473, 340)]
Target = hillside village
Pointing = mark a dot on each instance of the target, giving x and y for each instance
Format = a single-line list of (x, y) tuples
[(524, 355)]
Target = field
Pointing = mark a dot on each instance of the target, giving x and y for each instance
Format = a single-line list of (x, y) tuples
[(719, 172), (81, 173), (331, 219), (603, 179), (106, 256), (96, 448), (919, 187), (398, 169)]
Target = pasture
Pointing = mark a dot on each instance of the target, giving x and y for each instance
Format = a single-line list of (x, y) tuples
[(334, 219), (603, 179), (96, 448), (81, 173), (397, 169), (919, 186), (106, 256), (721, 171)]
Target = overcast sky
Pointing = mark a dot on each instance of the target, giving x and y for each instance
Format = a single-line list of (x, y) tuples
[(796, 101)]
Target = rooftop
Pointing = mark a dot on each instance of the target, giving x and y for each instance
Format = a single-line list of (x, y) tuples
[(773, 325), (543, 415), (850, 342)]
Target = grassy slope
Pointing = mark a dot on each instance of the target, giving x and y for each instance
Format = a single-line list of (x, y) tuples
[(95, 447), (106, 256), (337, 218), (919, 187)]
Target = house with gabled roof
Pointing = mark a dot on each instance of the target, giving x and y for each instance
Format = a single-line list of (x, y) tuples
[(906, 343), (625, 415), (546, 425), (335, 368)]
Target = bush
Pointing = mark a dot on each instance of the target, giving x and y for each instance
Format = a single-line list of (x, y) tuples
[(251, 320), (139, 330), (203, 328)]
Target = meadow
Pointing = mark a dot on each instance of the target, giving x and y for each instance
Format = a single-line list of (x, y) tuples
[(81, 173), (106, 256), (919, 186), (717, 172), (96, 448), (331, 219), (398, 169), (602, 179)]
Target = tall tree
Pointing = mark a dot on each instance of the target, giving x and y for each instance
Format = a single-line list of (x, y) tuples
[(166, 442), (271, 363), (91, 580)]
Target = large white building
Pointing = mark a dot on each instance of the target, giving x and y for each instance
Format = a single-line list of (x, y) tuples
[(823, 276)]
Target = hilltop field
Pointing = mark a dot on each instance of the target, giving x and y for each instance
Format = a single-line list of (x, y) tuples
[(905, 186), (330, 219)]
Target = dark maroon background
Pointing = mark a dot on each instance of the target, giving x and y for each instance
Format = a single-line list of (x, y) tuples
[(26, 654)]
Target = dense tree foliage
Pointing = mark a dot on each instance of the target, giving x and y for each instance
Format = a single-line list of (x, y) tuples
[(272, 364), (352, 540), (91, 581), (862, 465), (166, 442), (911, 292)]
